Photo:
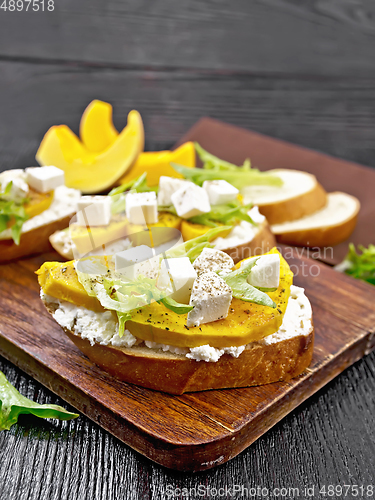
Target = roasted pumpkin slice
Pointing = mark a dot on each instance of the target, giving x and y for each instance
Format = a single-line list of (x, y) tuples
[(246, 322), (60, 280), (189, 230), (37, 202)]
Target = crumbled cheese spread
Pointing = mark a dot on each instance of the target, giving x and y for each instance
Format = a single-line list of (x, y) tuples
[(97, 327), (103, 328), (297, 318), (244, 232), (256, 216)]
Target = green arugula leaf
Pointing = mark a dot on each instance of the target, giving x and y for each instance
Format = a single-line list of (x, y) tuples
[(212, 162), (14, 213), (241, 289), (229, 214), (133, 184), (238, 178), (122, 319), (3, 222), (13, 404), (7, 189), (138, 184), (215, 168), (176, 306), (359, 265)]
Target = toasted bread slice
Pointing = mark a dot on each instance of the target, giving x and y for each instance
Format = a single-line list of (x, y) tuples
[(327, 227), (32, 242), (278, 357), (300, 195)]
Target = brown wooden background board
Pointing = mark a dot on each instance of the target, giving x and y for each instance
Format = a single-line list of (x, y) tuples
[(194, 431), (236, 144)]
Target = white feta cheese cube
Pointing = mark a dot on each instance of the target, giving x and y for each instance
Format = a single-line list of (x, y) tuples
[(220, 191), (190, 200), (135, 261), (211, 260), (255, 215), (142, 208), (168, 186), (177, 277), (266, 272), (94, 210), (19, 189), (211, 298), (44, 179)]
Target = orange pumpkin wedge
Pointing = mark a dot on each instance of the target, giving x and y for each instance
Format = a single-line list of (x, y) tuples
[(85, 170)]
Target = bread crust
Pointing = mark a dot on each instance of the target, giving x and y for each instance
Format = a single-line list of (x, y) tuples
[(175, 374), (324, 236), (31, 242), (262, 243), (296, 207)]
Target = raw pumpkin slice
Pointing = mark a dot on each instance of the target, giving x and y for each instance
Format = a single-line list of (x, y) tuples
[(87, 171), (158, 163), (96, 128)]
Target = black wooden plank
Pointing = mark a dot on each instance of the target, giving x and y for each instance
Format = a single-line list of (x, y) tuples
[(331, 37), (336, 116), (327, 440)]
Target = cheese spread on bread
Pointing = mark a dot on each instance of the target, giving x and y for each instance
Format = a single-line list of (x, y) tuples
[(102, 328)]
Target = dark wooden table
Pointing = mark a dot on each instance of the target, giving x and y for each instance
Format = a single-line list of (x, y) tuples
[(299, 71)]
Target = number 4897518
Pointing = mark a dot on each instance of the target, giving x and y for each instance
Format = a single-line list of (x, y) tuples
[(27, 5)]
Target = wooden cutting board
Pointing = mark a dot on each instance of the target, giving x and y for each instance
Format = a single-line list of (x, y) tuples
[(236, 144), (194, 431), (198, 431)]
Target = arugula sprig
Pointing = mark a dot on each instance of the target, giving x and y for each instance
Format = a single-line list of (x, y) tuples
[(229, 214), (241, 289), (215, 169), (138, 184), (211, 162), (360, 265), (12, 213), (238, 179), (13, 404)]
